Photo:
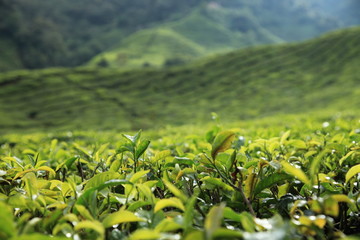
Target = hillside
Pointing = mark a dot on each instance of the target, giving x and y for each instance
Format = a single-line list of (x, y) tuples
[(69, 33), (218, 26), (35, 34), (320, 74)]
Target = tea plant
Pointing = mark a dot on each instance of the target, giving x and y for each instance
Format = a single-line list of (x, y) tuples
[(253, 183)]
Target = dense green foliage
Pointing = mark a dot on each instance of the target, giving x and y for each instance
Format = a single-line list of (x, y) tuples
[(283, 178), (249, 83), (39, 34), (68, 33)]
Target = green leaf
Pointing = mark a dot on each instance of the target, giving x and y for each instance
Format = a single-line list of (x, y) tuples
[(314, 166), (127, 147), (247, 222), (47, 169), (100, 178), (38, 236), (189, 213), (331, 207), (213, 220), (133, 139), (146, 191), (141, 148), (196, 234), (232, 215), (145, 234), (300, 144), (222, 142), (161, 155), (224, 233), (352, 172), (296, 172), (269, 181), (344, 158), (284, 137), (250, 184), (169, 202), (67, 163), (136, 177), (134, 206), (177, 193), (115, 165), (217, 182), (84, 212), (93, 225), (7, 225), (122, 216), (81, 150), (167, 225)]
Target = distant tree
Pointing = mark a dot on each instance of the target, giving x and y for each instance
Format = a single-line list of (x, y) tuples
[(173, 62), (103, 63)]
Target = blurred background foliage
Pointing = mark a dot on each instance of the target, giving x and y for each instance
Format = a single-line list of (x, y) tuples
[(39, 34)]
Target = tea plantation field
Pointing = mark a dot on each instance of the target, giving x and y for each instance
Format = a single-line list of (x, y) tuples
[(285, 177), (316, 75)]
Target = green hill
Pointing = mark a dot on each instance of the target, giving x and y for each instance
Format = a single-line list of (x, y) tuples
[(35, 34), (316, 75), (218, 26)]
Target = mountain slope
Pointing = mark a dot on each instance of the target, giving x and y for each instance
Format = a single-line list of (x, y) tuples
[(74, 32), (321, 74), (220, 26)]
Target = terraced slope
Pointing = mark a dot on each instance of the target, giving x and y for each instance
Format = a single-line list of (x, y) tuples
[(321, 74), (203, 32)]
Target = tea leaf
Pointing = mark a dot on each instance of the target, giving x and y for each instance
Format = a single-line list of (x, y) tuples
[(352, 172), (119, 217), (222, 142), (169, 202), (296, 172), (270, 181)]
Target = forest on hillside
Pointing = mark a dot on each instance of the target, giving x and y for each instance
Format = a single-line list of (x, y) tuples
[(39, 34)]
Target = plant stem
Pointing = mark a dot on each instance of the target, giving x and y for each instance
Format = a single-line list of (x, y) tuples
[(238, 188)]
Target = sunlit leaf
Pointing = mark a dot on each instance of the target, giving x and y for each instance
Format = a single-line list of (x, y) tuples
[(250, 184), (247, 222), (119, 217), (141, 148), (137, 176), (315, 165), (167, 225), (100, 178), (169, 202), (133, 139), (66, 163), (213, 220), (196, 234), (297, 143), (331, 207), (145, 234), (93, 225), (284, 137), (347, 156), (7, 225), (224, 233), (189, 213), (38, 236), (161, 155), (352, 172), (296, 172), (84, 212), (217, 182), (222, 142), (177, 193), (48, 169)]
